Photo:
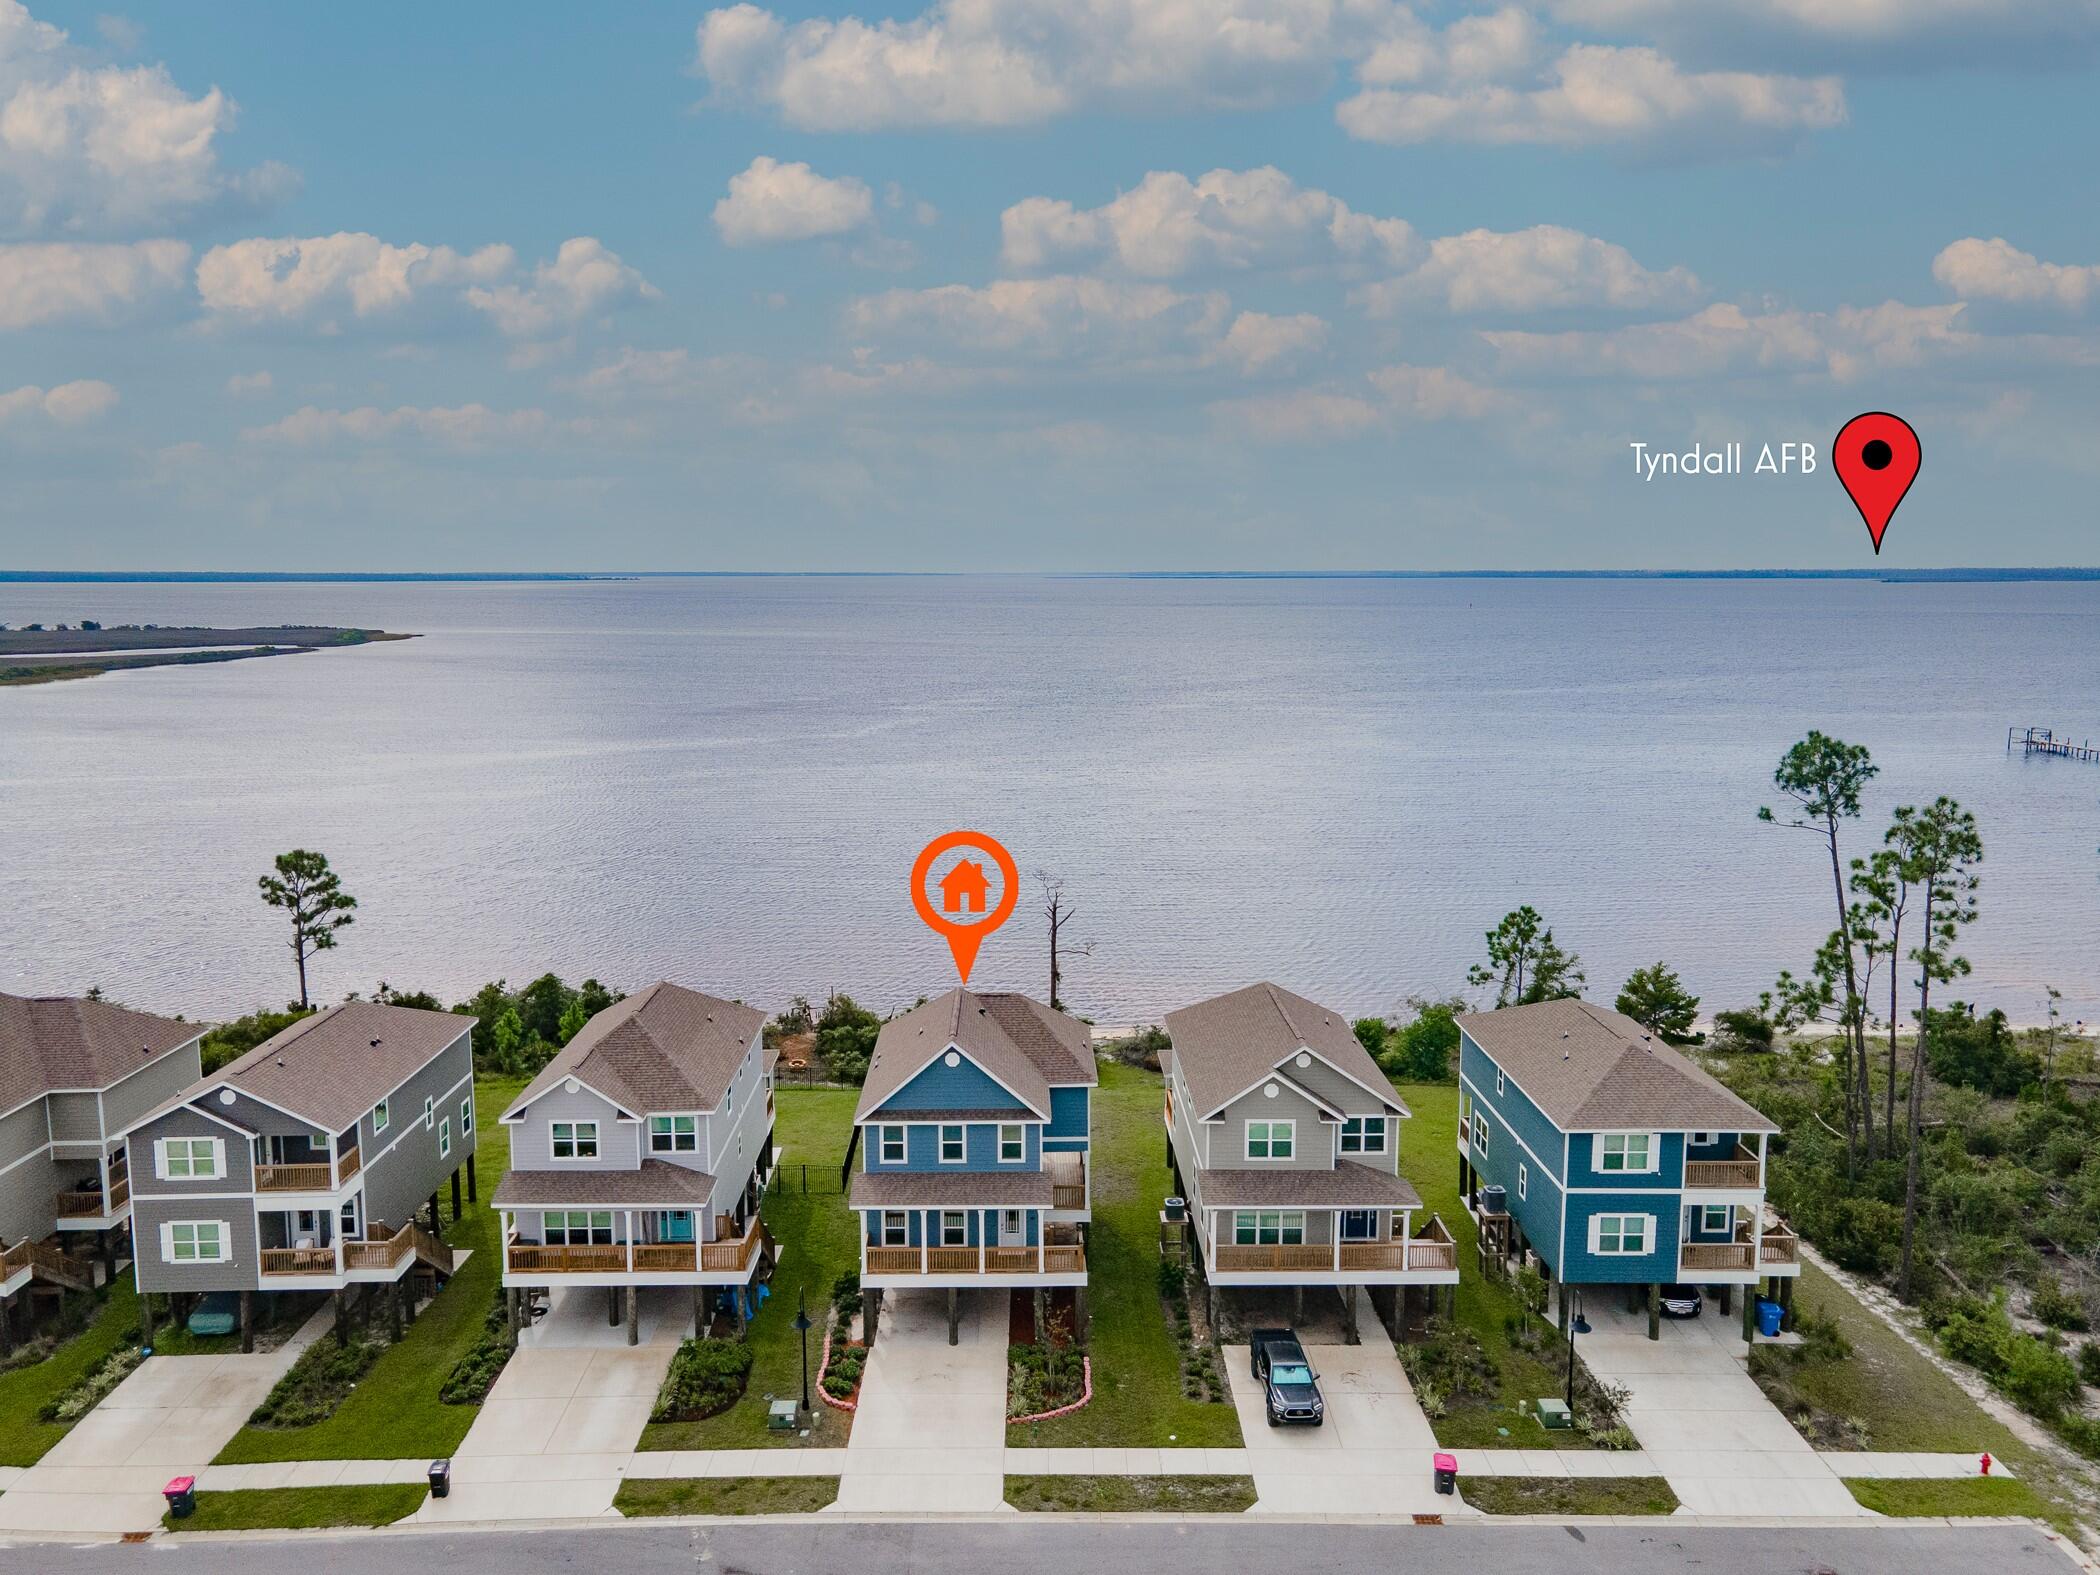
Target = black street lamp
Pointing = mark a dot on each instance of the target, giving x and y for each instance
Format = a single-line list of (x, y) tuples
[(802, 1327)]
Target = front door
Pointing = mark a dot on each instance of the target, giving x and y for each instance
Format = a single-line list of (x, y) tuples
[(1358, 1224), (1013, 1228), (674, 1225)]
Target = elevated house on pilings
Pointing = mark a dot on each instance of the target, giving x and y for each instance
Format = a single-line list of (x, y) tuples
[(311, 1163), (975, 1133), (1285, 1142), (1587, 1143), (640, 1156)]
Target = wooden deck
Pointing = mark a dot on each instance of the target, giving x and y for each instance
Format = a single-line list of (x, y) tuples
[(735, 1256), (931, 1261)]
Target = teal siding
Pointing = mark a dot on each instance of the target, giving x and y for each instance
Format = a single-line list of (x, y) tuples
[(983, 1227), (1538, 1210), (1667, 1176), (1516, 1111), (964, 1086), (1696, 1231), (922, 1148), (1070, 1118), (1657, 1266)]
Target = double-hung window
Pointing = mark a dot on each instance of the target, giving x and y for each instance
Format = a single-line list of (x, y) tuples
[(895, 1233), (429, 1111), (951, 1145), (573, 1139), (1632, 1152), (445, 1138), (1500, 1086), (1523, 1181), (955, 1228), (579, 1228), (1013, 1144), (1480, 1132), (1619, 1235), (192, 1159), (891, 1145), (380, 1117), (1268, 1228), (1271, 1139), (466, 1115), (1363, 1135), (194, 1241), (674, 1134), (1716, 1216)]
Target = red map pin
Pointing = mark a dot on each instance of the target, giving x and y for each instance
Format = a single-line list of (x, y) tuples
[(1876, 457)]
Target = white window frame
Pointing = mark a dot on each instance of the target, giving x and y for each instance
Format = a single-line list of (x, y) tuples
[(430, 1105), (957, 1220), (1523, 1181), (1647, 1235), (466, 1115), (382, 1117), (1651, 1153), (1481, 1131), (222, 1243), (1708, 1210), (883, 1135), (1270, 1131), (1020, 1141), (1500, 1087), (1284, 1222), (1364, 1126), (1703, 1139), (672, 1132), (568, 1227), (895, 1220), (962, 1142), (445, 1138), (214, 1152), (580, 1132)]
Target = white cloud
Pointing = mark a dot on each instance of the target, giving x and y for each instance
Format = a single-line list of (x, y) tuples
[(772, 202), (292, 278), (457, 426), (1543, 268), (1169, 226), (250, 383), (1996, 270), (68, 403), (1017, 62), (1866, 35), (585, 278), (1057, 316), (60, 281), (1395, 396), (1598, 95), (1257, 342), (86, 147), (1724, 340)]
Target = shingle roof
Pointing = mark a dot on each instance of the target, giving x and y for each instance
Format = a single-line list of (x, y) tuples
[(964, 1189), (1594, 1070), (1021, 1042), (60, 1042), (1345, 1186), (656, 1184), (1226, 1045), (666, 1048), (332, 1067)]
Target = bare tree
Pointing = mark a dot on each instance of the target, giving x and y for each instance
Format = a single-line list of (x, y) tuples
[(1058, 910)]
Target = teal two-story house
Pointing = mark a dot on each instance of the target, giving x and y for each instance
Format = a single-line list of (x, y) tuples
[(1619, 1161), (974, 1130)]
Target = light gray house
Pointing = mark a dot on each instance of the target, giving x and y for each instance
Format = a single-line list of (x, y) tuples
[(640, 1154), (1285, 1141), (73, 1074), (302, 1164)]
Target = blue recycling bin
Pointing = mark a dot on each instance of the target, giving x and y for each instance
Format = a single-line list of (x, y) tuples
[(1768, 1315)]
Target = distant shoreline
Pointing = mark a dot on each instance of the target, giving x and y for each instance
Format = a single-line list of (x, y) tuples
[(47, 656), (1983, 575)]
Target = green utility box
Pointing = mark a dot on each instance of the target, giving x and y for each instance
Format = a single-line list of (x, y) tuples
[(780, 1416), (1554, 1413)]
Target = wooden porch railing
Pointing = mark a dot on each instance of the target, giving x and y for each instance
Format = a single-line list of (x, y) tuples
[(1311, 1255), (308, 1175), (734, 1255), (348, 1165), (74, 1204), (298, 1260), (1729, 1256), (379, 1252), (46, 1263), (1049, 1259), (1736, 1173), (1779, 1246)]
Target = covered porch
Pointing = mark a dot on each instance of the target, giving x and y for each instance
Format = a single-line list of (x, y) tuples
[(651, 1226), (1352, 1225), (962, 1230)]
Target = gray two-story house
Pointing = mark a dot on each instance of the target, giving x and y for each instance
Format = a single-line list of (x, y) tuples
[(302, 1164), (1285, 1141), (73, 1073), (640, 1154), (1614, 1159)]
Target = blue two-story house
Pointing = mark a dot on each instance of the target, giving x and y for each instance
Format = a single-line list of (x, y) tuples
[(1620, 1161), (974, 1129)]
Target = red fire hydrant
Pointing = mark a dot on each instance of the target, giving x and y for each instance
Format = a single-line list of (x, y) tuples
[(1985, 1463)]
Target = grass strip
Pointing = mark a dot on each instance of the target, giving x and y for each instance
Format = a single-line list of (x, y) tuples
[(640, 1497), (302, 1509), (1191, 1495), (1569, 1495)]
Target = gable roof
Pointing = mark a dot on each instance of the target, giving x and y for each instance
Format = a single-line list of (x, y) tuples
[(57, 1042), (1020, 1043), (665, 1048), (1590, 1069), (1229, 1043), (332, 1067)]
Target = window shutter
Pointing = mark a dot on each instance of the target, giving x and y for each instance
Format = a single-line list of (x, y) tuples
[(167, 1242), (218, 1156), (160, 1163)]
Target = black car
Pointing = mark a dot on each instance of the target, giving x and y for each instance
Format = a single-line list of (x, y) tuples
[(1290, 1387), (1680, 1301)]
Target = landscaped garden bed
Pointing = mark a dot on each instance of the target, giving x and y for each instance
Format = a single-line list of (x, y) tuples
[(91, 1387), (475, 1373), (1202, 1379), (706, 1378), (1047, 1379), (318, 1382)]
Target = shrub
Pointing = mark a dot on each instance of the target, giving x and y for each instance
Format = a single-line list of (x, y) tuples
[(1974, 1331), (1420, 1051), (706, 1378), (845, 1293), (2040, 1379), (475, 1373), (1743, 1031), (2089, 1363), (2057, 1307), (89, 1391), (1043, 1377), (846, 1033), (1173, 1280), (1978, 1052), (1140, 1048), (1449, 1359), (319, 1381)]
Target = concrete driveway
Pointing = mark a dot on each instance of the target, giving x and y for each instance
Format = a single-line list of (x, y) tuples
[(930, 1433), (1704, 1424), (555, 1434), (1372, 1454), (167, 1419)]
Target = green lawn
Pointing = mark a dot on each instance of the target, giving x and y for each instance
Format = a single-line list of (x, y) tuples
[(816, 1232), (1197, 1495), (1570, 1495), (1956, 1496), (644, 1496), (1138, 1401), (26, 1390), (1429, 1159), (300, 1509), (395, 1413)]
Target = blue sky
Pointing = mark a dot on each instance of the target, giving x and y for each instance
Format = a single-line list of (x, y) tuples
[(1037, 284)]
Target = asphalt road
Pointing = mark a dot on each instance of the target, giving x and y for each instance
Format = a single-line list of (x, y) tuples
[(1029, 1545)]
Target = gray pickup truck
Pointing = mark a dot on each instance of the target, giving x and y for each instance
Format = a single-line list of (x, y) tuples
[(1290, 1388)]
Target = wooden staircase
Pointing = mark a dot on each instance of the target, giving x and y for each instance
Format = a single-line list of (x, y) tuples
[(47, 1264), (431, 1250)]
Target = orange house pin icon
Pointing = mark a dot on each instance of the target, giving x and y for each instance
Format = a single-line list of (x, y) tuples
[(963, 888)]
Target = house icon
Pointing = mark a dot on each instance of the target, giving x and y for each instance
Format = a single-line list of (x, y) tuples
[(963, 888)]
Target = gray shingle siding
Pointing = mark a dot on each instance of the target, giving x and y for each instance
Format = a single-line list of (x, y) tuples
[(403, 1175), (146, 1180), (619, 1143), (1312, 1147), (153, 1084), (73, 1118), (241, 1272), (29, 1187)]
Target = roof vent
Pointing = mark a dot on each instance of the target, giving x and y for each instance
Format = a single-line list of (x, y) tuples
[(375, 1044), (280, 1060)]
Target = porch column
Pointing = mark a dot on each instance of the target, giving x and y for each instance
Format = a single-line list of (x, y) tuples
[(247, 1323), (1042, 1242), (954, 1316), (1655, 1312), (456, 1210), (699, 1312), (472, 1196), (634, 1323), (1750, 1295), (1349, 1334), (629, 1214), (1334, 1229), (612, 1306)]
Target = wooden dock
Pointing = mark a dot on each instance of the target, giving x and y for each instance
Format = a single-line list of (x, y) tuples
[(2043, 741)]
